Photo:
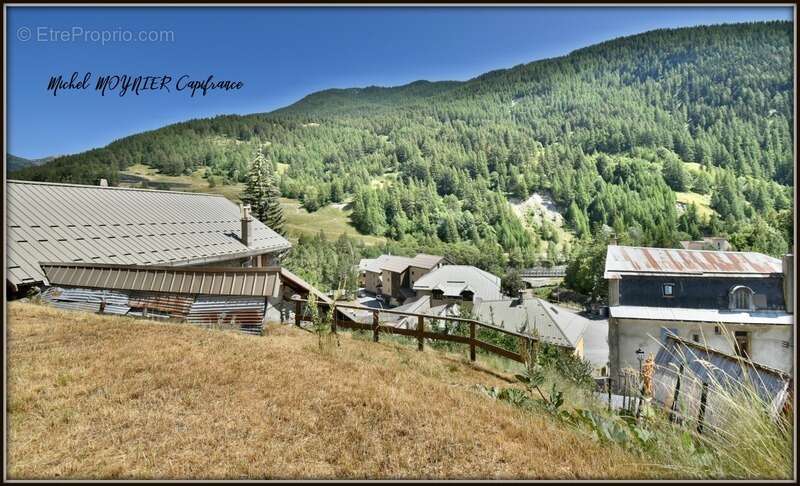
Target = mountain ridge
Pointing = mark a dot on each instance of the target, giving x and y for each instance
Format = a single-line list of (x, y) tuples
[(14, 162), (611, 131)]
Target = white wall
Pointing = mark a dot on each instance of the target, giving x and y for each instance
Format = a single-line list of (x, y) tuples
[(272, 310), (766, 341)]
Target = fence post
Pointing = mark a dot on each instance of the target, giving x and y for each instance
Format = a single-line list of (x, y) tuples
[(673, 410), (472, 341), (375, 321), (608, 388), (703, 400), (420, 332), (335, 318), (297, 305)]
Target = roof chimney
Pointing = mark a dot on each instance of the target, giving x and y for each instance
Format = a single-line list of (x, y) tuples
[(788, 282), (103, 182), (247, 224)]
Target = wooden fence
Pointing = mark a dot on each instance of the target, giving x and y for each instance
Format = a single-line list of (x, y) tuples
[(420, 333)]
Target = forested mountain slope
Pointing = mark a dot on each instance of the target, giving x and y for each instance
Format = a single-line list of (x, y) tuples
[(612, 132)]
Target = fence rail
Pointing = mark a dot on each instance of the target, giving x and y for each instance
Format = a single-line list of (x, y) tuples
[(420, 332)]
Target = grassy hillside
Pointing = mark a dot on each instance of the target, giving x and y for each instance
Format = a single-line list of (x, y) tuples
[(140, 175), (333, 219), (109, 397)]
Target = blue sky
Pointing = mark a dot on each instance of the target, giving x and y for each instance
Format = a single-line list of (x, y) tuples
[(282, 54)]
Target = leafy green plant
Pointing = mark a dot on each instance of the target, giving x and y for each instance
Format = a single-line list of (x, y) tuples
[(567, 365), (321, 324)]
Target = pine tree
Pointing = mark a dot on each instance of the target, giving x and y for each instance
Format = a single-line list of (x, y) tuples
[(689, 222), (675, 175), (263, 195), (702, 183)]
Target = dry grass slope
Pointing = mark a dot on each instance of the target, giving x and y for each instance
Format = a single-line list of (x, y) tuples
[(109, 397)]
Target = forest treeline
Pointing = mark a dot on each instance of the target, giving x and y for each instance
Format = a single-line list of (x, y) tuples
[(611, 132)]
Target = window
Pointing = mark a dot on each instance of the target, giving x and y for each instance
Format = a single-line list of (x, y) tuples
[(742, 343), (741, 298), (717, 330), (696, 338), (668, 290)]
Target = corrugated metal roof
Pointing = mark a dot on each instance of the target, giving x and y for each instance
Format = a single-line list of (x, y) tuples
[(629, 260), (257, 281), (484, 285), (700, 315), (172, 304), (94, 224), (226, 310), (87, 300)]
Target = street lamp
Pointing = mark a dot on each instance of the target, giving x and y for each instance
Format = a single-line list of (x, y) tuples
[(640, 357)]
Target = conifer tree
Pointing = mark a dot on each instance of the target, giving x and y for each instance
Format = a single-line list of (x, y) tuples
[(263, 195)]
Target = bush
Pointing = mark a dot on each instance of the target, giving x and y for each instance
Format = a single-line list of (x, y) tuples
[(567, 365)]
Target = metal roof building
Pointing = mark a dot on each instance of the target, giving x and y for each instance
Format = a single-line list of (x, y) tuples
[(239, 297), (740, 302), (555, 324), (630, 260), (50, 222)]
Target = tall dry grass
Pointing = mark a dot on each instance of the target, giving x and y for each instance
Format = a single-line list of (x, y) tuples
[(742, 438), (746, 438), (108, 397)]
